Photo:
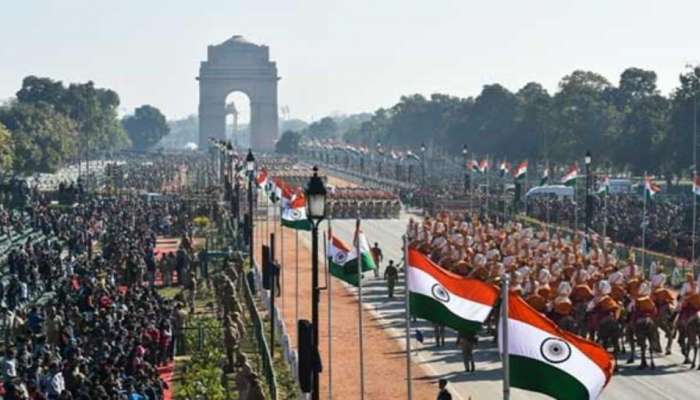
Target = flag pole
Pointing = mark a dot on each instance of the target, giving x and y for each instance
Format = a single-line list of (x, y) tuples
[(409, 376), (644, 220), (486, 171), (359, 306), (505, 284), (326, 238), (296, 277), (695, 174), (282, 254)]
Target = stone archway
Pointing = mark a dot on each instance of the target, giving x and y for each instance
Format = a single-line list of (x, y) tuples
[(238, 65)]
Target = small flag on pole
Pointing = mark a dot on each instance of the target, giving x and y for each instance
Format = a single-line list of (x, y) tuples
[(569, 179), (650, 188), (520, 170)]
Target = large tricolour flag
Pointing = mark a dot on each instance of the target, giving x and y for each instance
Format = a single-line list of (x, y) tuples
[(448, 299), (549, 360), (343, 260), (696, 185), (294, 215), (569, 179)]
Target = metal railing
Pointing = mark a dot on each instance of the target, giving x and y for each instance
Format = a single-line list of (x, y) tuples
[(263, 348)]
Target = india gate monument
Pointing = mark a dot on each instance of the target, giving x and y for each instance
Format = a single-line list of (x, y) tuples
[(238, 65)]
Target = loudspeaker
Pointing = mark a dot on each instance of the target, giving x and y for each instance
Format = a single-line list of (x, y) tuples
[(306, 350)]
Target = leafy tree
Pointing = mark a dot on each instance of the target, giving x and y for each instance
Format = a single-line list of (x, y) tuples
[(146, 127), (94, 110), (288, 143), (6, 149), (43, 138), (583, 118), (685, 106), (323, 129)]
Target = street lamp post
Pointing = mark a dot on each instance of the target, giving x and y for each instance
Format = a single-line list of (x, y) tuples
[(250, 169), (589, 199), (316, 211)]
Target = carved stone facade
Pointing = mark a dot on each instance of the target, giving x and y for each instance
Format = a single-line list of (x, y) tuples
[(238, 65)]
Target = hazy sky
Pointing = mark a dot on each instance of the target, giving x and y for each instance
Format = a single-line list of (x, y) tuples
[(347, 56)]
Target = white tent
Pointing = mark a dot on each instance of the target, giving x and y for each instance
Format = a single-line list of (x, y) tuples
[(557, 190)]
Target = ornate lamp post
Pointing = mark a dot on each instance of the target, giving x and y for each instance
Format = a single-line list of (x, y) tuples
[(316, 211)]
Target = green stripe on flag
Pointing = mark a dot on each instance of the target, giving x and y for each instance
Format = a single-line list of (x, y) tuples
[(433, 310), (537, 376), (302, 225), (348, 272)]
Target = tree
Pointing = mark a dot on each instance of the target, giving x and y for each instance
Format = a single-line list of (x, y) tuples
[(43, 138), (146, 127), (288, 143), (644, 121), (583, 118), (6, 149), (323, 129), (685, 106), (94, 111)]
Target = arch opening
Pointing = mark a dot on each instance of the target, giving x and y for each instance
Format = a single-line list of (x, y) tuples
[(238, 118)]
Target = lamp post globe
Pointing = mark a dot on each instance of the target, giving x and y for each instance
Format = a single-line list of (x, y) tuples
[(250, 162), (316, 198)]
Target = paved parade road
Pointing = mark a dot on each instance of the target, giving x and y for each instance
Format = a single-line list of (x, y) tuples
[(670, 380)]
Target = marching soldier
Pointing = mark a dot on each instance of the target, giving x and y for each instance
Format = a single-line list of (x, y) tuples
[(391, 275)]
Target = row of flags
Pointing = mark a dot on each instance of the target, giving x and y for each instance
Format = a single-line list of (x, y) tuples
[(542, 357), (343, 260)]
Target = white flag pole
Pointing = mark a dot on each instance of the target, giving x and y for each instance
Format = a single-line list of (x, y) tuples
[(326, 238), (359, 306), (409, 376), (283, 264), (296, 279), (505, 284), (644, 220)]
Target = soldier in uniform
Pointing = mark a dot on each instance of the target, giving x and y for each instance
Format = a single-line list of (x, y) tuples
[(391, 275)]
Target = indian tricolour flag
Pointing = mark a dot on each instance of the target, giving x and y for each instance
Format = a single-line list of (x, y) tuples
[(445, 298), (343, 260), (473, 165), (504, 168), (696, 185), (483, 165), (294, 215), (569, 179), (546, 359), (520, 171), (261, 179), (650, 188)]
